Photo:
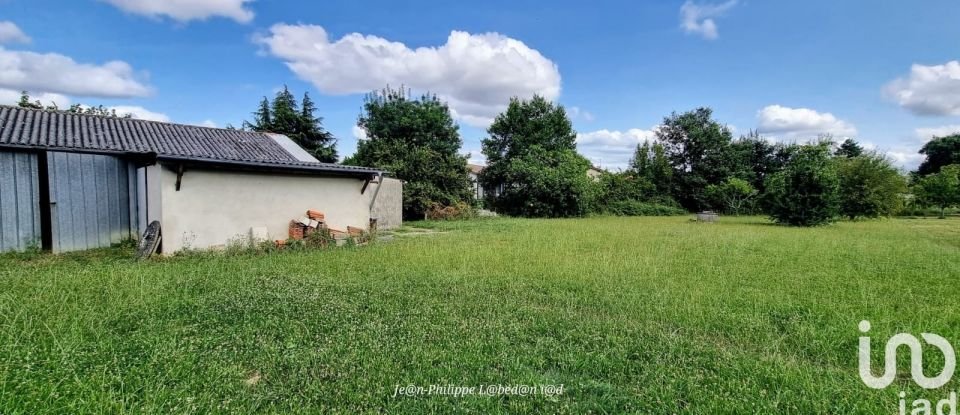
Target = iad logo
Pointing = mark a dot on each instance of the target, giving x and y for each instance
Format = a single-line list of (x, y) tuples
[(916, 360), (921, 406)]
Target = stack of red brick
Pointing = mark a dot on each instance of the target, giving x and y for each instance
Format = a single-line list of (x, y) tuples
[(307, 225), (315, 221)]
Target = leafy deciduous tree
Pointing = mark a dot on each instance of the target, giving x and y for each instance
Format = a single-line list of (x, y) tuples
[(806, 191), (652, 170), (753, 158), (941, 151), (697, 147), (870, 186), (417, 141), (734, 194), (940, 189), (532, 160)]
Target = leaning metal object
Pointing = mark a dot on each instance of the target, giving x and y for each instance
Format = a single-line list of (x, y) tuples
[(150, 241)]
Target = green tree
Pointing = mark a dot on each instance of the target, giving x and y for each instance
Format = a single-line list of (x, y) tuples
[(941, 151), (753, 158), (698, 149), (870, 186), (318, 141), (806, 191), (940, 189), (285, 113), (262, 117), (297, 121), (652, 170), (734, 194), (849, 148), (532, 160), (417, 141), (613, 188)]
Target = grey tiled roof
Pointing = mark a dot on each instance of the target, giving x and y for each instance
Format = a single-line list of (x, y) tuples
[(54, 130)]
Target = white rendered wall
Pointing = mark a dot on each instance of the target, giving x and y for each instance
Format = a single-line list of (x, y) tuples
[(214, 207), (388, 207)]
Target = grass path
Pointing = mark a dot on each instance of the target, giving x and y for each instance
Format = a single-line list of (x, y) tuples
[(632, 315)]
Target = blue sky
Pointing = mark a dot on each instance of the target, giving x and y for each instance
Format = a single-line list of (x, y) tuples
[(884, 72)]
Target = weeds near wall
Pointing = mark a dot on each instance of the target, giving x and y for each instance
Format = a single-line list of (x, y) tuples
[(243, 245), (459, 211)]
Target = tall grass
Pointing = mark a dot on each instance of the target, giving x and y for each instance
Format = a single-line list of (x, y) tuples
[(644, 315)]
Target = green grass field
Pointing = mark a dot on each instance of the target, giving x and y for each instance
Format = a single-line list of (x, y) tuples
[(631, 315)]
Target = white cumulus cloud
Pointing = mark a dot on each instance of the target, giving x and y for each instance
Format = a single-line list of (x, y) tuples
[(474, 156), (12, 97), (929, 90), (476, 74), (928, 133), (578, 113), (55, 73), (699, 18), (359, 133), (801, 123), (140, 113), (613, 149), (11, 33), (905, 159), (186, 10)]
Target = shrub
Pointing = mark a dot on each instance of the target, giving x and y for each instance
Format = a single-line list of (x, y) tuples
[(870, 186), (941, 190), (320, 238), (417, 140), (636, 208), (615, 187), (532, 155), (733, 195), (458, 211), (545, 184), (628, 194), (807, 191)]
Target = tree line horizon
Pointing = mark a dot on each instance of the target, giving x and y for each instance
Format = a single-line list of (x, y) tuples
[(694, 164)]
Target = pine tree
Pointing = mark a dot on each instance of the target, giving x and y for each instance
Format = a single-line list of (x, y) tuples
[(298, 122), (320, 142), (286, 114), (262, 118), (849, 148)]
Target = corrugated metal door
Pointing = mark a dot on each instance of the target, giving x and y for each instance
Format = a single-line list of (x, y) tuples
[(92, 200), (19, 201)]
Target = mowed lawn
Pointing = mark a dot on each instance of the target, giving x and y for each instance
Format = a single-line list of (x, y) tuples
[(631, 315)]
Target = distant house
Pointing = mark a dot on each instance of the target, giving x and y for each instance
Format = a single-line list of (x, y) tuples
[(71, 182), (474, 171), (594, 173)]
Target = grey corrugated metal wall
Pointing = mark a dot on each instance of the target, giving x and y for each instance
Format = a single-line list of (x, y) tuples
[(19, 201), (93, 200)]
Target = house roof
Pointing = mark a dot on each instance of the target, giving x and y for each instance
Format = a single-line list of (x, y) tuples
[(57, 130), (475, 168)]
